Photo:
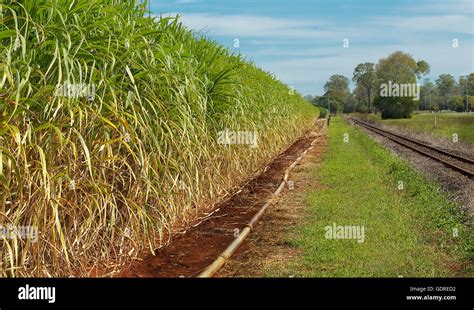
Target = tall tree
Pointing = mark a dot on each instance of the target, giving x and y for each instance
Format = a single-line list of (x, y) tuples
[(337, 89), (361, 96), (365, 76), (466, 85), (398, 68), (428, 95), (422, 68), (470, 84), (456, 103), (351, 103), (446, 88)]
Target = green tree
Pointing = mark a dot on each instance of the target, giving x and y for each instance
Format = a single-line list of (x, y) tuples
[(337, 91), (470, 80), (322, 103), (351, 104), (428, 95), (446, 85), (456, 104), (398, 68), (361, 96), (422, 68), (466, 85), (470, 103), (365, 77)]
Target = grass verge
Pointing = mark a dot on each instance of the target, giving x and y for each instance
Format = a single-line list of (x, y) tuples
[(408, 232), (447, 124)]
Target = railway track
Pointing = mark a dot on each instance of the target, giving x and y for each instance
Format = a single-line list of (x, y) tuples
[(456, 162)]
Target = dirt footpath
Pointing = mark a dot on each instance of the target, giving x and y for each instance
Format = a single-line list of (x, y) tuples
[(267, 247)]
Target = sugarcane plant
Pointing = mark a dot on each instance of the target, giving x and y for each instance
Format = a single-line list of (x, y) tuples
[(108, 125)]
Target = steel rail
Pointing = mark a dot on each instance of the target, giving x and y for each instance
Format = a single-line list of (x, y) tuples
[(402, 141)]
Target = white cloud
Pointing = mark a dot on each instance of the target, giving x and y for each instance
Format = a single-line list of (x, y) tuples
[(444, 7), (255, 26), (435, 23)]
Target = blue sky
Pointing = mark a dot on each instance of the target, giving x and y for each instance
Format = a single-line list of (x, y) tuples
[(301, 41)]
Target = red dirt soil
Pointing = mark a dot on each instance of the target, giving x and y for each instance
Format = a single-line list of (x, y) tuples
[(190, 253)]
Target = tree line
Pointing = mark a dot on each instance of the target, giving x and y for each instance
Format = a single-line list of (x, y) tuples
[(399, 71)]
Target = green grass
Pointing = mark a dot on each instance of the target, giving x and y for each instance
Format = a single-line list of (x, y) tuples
[(114, 175), (408, 232), (447, 124)]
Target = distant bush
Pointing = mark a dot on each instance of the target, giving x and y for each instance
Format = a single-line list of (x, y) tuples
[(323, 112), (457, 104), (362, 109), (393, 107)]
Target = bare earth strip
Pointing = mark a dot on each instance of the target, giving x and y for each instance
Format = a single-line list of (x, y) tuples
[(268, 245)]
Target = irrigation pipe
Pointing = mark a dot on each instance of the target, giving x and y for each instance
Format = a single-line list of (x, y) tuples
[(212, 269)]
